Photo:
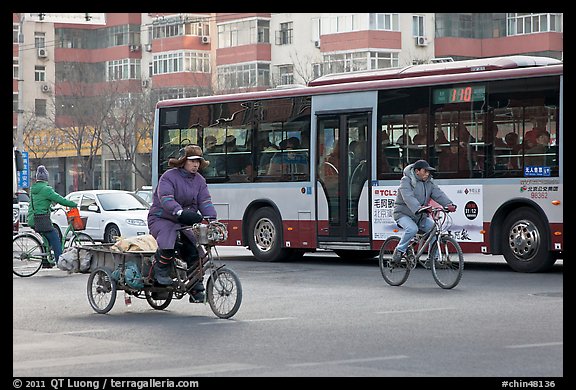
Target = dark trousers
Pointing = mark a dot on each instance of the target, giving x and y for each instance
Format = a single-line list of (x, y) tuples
[(55, 244)]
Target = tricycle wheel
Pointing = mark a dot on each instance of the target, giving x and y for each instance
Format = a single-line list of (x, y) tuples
[(224, 292), (158, 304), (101, 290)]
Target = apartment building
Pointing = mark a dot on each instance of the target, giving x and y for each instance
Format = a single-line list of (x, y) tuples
[(84, 85)]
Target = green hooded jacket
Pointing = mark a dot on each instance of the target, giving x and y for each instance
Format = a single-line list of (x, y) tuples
[(41, 197)]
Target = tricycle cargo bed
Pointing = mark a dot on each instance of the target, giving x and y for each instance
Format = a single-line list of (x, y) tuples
[(104, 256)]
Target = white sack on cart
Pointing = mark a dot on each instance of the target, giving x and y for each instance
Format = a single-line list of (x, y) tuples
[(68, 260), (75, 260)]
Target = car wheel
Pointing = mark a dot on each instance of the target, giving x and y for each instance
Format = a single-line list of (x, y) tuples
[(111, 233)]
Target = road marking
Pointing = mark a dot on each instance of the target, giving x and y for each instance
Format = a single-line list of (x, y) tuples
[(414, 310), (536, 345), (188, 371), (83, 331), (84, 359), (241, 321), (348, 361)]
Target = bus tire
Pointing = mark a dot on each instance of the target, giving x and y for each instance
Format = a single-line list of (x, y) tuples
[(526, 242), (265, 236)]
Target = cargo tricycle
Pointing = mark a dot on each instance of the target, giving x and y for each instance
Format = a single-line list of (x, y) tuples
[(130, 271)]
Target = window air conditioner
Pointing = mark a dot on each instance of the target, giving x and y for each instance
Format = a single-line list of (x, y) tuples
[(42, 52), (148, 47), (205, 39), (45, 88), (134, 47), (144, 83), (421, 41), (317, 44)]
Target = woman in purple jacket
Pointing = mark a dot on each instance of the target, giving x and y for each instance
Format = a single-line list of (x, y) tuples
[(181, 198)]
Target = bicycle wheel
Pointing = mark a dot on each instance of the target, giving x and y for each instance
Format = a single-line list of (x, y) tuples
[(27, 254), (448, 267), (101, 290), (224, 292), (156, 302), (395, 274), (78, 239)]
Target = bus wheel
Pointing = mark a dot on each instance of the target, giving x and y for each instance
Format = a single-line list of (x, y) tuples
[(265, 236), (525, 245)]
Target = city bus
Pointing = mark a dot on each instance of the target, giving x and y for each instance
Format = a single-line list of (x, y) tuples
[(317, 167)]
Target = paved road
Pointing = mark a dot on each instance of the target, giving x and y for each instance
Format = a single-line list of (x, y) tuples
[(318, 317)]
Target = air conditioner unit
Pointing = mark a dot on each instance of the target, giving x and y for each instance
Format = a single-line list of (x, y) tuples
[(317, 44), (421, 41), (45, 88), (134, 47), (42, 52), (144, 83), (148, 47), (205, 39)]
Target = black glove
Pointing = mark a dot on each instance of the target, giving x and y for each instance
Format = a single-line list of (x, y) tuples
[(189, 217)]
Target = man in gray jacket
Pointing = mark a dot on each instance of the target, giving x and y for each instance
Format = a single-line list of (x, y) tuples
[(416, 189)]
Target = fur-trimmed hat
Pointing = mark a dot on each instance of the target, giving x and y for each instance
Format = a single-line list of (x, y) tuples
[(41, 173), (189, 152)]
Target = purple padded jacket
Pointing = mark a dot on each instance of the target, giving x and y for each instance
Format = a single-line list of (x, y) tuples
[(177, 189)]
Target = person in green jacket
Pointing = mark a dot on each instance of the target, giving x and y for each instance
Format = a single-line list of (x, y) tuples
[(42, 196)]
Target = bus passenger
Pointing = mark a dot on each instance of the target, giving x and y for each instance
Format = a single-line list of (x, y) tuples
[(181, 198), (238, 162), (540, 151), (290, 161), (511, 141), (266, 150)]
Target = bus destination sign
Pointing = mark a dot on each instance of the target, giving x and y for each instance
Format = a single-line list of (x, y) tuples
[(462, 94)]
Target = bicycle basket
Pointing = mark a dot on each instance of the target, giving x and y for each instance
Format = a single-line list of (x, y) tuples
[(213, 233), (74, 218)]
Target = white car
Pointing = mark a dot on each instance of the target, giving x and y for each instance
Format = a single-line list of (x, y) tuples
[(111, 214), (23, 202)]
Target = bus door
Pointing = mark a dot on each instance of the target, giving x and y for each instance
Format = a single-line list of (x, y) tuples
[(342, 171)]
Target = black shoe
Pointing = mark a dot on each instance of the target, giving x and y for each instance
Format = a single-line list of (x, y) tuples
[(47, 265), (161, 275), (196, 296)]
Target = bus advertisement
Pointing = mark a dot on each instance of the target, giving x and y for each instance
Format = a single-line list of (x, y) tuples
[(317, 167)]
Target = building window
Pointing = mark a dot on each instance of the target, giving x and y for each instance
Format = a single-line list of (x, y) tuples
[(179, 26), (386, 22), (350, 62), (519, 24), (40, 107), (383, 60), (244, 32), (182, 61), (284, 35), (14, 101), (418, 29), (15, 32), (249, 75), (126, 69), (39, 73), (15, 69), (286, 73), (39, 40), (340, 23)]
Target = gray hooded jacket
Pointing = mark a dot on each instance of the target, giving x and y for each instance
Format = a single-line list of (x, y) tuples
[(414, 193)]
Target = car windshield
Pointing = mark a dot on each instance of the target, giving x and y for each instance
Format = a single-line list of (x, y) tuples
[(121, 201), (23, 197)]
